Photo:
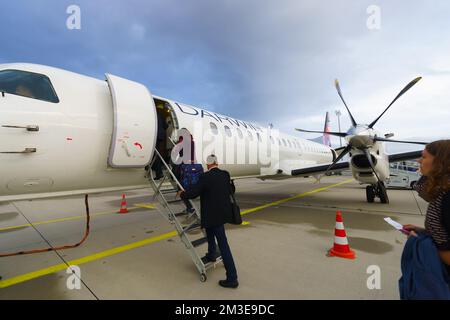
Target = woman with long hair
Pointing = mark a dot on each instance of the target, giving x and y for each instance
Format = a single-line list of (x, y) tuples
[(434, 187)]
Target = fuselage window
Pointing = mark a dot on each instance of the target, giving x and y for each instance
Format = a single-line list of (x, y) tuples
[(28, 84), (213, 128), (239, 133), (228, 131)]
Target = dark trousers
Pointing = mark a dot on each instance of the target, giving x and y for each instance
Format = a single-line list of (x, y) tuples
[(176, 170), (188, 205), (219, 234), (158, 165)]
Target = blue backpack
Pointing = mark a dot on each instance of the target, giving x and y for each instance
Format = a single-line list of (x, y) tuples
[(190, 174)]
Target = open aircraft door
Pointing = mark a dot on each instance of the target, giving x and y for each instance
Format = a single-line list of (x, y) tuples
[(135, 124)]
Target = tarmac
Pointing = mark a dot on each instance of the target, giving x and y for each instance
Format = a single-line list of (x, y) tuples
[(280, 251)]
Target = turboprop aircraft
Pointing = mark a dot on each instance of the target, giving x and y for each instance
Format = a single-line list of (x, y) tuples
[(62, 133), (368, 160)]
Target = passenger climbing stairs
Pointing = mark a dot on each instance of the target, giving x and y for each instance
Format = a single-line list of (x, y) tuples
[(187, 224)]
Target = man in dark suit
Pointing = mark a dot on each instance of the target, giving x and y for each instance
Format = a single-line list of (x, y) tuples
[(214, 188)]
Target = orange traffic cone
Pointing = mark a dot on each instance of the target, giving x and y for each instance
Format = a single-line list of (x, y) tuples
[(123, 205), (341, 247)]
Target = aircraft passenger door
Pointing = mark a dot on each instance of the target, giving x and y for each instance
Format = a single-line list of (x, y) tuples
[(135, 124)]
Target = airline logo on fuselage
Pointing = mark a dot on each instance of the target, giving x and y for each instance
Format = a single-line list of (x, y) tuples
[(216, 117)]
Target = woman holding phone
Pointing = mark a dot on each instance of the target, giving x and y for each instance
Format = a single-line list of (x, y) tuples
[(434, 187)]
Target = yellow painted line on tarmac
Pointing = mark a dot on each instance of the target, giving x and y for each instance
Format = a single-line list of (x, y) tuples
[(137, 206), (60, 267), (275, 203), (245, 223), (144, 205)]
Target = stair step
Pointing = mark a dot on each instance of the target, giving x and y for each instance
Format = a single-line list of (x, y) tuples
[(175, 200), (192, 227), (165, 191), (199, 242), (208, 264)]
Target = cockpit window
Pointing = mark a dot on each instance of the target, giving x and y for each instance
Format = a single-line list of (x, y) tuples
[(28, 84)]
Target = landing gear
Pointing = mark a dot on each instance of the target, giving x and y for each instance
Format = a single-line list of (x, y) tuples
[(377, 190), (382, 193), (370, 194)]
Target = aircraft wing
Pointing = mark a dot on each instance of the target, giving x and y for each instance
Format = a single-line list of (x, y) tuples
[(320, 169), (405, 156), (341, 166)]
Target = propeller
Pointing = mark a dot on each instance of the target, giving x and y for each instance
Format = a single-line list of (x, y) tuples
[(343, 153), (369, 157), (357, 131), (339, 134), (370, 126), (398, 141), (408, 86), (338, 88)]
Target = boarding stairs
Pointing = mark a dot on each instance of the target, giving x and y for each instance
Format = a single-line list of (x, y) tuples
[(186, 224)]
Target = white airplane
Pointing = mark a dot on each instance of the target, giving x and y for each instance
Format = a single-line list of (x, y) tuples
[(62, 133)]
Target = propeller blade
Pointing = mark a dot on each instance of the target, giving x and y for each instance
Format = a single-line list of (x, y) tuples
[(399, 141), (408, 86), (343, 153), (338, 88), (339, 134), (369, 157)]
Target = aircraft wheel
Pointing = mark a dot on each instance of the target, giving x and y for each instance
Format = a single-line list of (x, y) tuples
[(382, 193), (203, 277), (370, 194)]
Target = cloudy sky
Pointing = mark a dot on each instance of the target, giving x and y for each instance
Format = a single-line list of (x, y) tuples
[(263, 61)]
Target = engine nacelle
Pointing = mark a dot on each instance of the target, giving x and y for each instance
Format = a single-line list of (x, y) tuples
[(361, 169)]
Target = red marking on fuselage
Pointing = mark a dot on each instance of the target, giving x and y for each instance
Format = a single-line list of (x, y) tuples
[(137, 144)]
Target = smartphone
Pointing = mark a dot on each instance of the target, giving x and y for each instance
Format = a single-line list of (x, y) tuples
[(397, 226)]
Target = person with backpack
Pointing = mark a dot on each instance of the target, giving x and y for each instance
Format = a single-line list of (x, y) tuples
[(214, 188), (188, 171)]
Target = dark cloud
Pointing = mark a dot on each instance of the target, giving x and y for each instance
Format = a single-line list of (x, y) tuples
[(269, 61)]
